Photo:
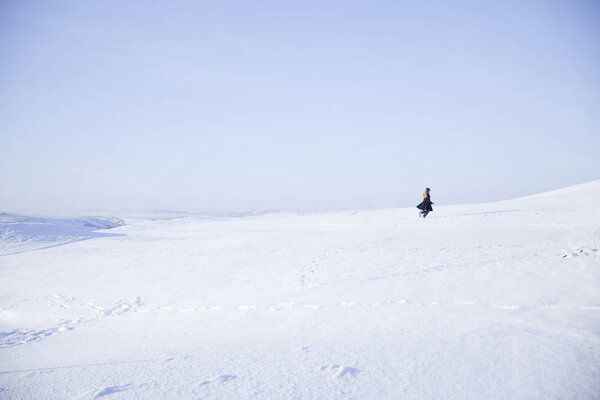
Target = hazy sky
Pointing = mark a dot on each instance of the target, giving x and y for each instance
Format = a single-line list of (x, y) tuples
[(232, 105)]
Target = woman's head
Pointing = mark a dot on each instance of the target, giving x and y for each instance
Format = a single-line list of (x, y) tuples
[(427, 189)]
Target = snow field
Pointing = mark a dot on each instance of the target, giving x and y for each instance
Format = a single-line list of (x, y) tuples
[(491, 301)]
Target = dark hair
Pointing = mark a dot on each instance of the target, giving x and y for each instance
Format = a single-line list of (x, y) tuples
[(427, 189)]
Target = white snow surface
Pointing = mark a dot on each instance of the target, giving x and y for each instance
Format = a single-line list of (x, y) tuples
[(484, 301)]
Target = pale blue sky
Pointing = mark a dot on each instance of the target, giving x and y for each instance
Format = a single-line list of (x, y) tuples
[(232, 105)]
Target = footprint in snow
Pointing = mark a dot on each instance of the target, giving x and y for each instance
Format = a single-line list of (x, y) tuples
[(218, 379), (124, 306), (577, 252), (340, 371), (25, 336), (113, 389)]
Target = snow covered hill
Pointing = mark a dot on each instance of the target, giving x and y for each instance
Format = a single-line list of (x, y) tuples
[(481, 301), (20, 233)]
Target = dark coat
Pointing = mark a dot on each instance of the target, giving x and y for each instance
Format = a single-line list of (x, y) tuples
[(425, 204)]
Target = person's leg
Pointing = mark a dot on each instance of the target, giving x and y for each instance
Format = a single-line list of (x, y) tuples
[(425, 212)]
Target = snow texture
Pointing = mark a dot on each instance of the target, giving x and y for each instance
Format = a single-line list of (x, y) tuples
[(481, 301)]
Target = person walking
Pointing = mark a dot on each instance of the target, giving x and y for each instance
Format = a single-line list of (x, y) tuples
[(425, 205)]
